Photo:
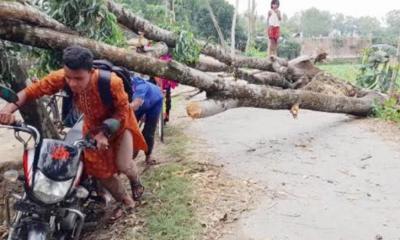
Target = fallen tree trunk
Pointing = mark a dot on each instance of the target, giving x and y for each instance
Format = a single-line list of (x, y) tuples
[(206, 108), (263, 78), (136, 24), (209, 64), (247, 94), (157, 50), (30, 15), (303, 66)]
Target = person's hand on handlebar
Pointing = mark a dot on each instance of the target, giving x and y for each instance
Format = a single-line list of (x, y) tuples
[(101, 141), (6, 118)]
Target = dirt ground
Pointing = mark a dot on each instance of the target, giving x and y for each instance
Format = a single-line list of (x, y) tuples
[(326, 176)]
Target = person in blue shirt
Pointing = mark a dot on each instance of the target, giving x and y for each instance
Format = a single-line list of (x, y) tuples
[(147, 101)]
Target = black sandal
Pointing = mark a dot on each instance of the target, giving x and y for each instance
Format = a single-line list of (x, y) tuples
[(137, 190)]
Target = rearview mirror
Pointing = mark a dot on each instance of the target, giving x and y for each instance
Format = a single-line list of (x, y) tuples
[(8, 94)]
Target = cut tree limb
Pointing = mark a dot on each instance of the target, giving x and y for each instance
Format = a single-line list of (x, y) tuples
[(247, 94), (206, 108)]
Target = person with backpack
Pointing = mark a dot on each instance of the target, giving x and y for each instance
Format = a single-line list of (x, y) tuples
[(147, 101), (99, 95)]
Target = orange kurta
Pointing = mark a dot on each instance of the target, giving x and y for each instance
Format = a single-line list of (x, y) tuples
[(100, 164)]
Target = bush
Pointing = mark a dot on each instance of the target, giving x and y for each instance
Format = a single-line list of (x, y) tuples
[(389, 110), (289, 48), (378, 70)]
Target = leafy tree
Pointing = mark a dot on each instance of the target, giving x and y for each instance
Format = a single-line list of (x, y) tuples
[(393, 21), (314, 22)]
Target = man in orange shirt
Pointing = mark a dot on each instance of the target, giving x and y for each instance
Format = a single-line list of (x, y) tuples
[(113, 155)]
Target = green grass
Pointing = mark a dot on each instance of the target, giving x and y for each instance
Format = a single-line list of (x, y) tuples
[(346, 72), (169, 214)]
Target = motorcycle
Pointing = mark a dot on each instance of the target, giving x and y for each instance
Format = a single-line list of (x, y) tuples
[(55, 191)]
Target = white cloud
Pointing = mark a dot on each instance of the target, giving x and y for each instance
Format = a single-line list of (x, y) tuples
[(354, 8)]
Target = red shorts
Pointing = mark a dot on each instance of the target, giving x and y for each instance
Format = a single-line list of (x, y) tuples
[(274, 33)]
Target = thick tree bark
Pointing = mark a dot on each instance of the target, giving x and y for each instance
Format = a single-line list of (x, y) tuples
[(28, 14), (263, 78), (157, 50), (202, 109), (209, 64), (248, 94)]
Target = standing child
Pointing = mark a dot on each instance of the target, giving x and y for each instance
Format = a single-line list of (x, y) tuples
[(274, 19)]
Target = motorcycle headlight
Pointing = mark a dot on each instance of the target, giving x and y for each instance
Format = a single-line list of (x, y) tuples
[(49, 191)]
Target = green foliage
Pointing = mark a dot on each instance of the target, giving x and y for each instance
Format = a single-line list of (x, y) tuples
[(393, 22), (153, 11), (8, 51), (170, 216), (346, 72), (314, 22), (256, 52), (261, 44), (289, 48), (377, 71), (389, 110), (90, 18), (187, 50), (224, 14)]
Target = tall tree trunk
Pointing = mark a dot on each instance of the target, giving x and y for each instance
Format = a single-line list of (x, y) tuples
[(251, 25), (248, 25), (216, 25), (233, 30), (173, 11), (248, 94)]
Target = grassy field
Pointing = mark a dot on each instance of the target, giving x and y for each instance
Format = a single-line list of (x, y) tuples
[(347, 72)]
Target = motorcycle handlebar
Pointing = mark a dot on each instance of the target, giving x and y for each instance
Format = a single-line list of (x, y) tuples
[(19, 126)]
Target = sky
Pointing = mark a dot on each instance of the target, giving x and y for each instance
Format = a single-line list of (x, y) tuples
[(354, 8)]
